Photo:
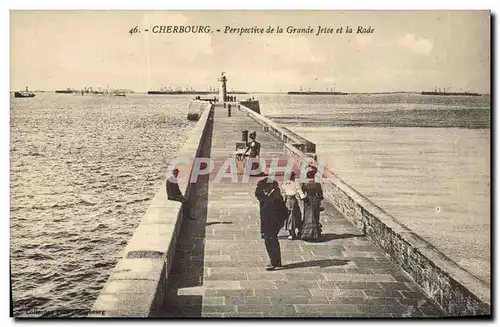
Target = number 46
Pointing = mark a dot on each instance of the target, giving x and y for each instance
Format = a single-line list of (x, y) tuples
[(133, 30)]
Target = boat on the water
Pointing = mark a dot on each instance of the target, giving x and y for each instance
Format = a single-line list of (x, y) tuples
[(24, 94), (178, 91), (301, 92), (443, 92), (451, 93), (67, 91), (315, 93)]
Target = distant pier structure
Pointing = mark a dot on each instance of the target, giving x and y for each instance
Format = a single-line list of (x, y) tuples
[(222, 87)]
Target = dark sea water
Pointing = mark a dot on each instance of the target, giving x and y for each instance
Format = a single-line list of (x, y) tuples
[(84, 169), (374, 110)]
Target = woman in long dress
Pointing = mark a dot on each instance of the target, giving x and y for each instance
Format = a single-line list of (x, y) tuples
[(311, 227), (292, 190)]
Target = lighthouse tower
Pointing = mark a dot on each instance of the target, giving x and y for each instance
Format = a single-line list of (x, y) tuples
[(222, 88)]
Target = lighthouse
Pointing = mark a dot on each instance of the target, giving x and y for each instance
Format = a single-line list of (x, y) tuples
[(222, 87)]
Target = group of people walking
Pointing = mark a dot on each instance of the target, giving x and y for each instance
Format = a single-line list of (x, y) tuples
[(280, 210), (279, 206)]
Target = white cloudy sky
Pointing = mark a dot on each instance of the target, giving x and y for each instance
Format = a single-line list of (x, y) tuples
[(409, 51)]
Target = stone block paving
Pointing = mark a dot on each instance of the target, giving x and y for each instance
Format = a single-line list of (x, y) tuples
[(220, 262)]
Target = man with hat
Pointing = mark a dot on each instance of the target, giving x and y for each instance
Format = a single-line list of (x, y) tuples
[(272, 215)]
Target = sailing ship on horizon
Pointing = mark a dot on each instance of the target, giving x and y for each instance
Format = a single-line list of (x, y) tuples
[(89, 90), (438, 91), (309, 92), (189, 91), (178, 90)]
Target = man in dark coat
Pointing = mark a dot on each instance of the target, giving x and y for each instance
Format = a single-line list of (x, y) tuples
[(272, 215), (175, 194)]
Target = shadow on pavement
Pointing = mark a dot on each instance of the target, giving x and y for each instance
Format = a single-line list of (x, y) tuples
[(316, 263), (324, 237), (331, 237), (219, 223)]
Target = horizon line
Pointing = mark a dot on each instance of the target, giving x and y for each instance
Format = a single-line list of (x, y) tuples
[(266, 92)]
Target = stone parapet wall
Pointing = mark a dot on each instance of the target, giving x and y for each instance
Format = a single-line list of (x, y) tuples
[(283, 133), (137, 285)]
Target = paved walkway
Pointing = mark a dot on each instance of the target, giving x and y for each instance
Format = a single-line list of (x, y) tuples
[(220, 261)]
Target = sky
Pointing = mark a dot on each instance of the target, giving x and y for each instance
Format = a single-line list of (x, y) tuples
[(407, 51)]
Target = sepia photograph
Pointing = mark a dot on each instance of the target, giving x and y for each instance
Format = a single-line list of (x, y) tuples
[(250, 164)]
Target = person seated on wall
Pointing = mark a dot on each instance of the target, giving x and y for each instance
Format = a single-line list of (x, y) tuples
[(174, 193)]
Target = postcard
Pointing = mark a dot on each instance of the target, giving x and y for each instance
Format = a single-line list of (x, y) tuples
[(250, 164)]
